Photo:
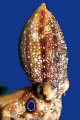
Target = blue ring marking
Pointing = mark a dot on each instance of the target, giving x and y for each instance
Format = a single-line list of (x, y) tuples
[(28, 105)]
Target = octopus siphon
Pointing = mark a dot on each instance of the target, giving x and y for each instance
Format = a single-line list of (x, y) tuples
[(43, 56)]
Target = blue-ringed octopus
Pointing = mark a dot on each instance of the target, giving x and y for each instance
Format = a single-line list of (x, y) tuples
[(43, 57)]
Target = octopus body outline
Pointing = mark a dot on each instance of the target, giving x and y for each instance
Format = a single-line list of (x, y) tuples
[(43, 57)]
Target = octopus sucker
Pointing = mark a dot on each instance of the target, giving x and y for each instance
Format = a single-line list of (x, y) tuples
[(43, 57)]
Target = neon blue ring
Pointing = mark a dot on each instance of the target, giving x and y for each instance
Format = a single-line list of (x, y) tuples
[(28, 105)]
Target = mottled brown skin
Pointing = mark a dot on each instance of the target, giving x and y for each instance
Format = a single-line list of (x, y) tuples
[(43, 57)]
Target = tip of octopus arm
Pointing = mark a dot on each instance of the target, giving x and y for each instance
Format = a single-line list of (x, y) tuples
[(0, 112)]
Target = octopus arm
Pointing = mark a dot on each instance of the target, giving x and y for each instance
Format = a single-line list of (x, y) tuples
[(14, 96)]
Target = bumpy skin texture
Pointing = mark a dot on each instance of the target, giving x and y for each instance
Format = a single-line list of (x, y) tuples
[(43, 57)]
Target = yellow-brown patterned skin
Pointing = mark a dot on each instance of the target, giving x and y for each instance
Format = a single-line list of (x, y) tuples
[(43, 57)]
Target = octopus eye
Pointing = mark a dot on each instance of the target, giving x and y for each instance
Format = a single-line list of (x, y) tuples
[(31, 106)]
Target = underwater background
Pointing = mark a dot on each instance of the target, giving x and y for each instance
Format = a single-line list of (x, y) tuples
[(13, 15)]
